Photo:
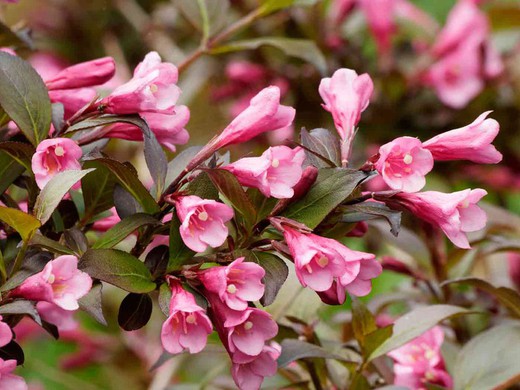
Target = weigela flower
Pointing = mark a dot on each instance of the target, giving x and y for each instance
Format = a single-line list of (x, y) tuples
[(456, 213), (249, 374), (235, 284), (203, 222), (103, 224), (9, 380), (274, 173), (53, 156), (60, 282), (72, 99), (5, 333), (168, 128), (151, 89), (403, 163), (84, 74), (188, 326), (53, 314), (471, 142)]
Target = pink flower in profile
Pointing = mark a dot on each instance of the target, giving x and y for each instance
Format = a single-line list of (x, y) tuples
[(346, 95), (203, 222), (51, 313), (403, 163), (274, 173), (250, 373), (53, 156), (420, 361), (471, 142), (168, 128), (60, 282), (6, 335), (188, 326), (72, 99), (380, 19), (456, 213), (103, 224), (84, 74), (151, 89), (7, 379), (236, 284)]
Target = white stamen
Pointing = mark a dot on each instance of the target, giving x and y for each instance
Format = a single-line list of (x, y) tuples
[(191, 319), (58, 151), (408, 158), (275, 163), (231, 289), (248, 325), (153, 88), (322, 261), (464, 204), (51, 278), (203, 216)]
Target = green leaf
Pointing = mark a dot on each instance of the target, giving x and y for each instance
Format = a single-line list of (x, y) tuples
[(276, 272), (203, 187), (370, 210), (208, 16), (9, 171), (127, 178), (296, 349), (135, 311), (24, 97), (9, 38), (54, 191), (270, 6), (324, 143), (177, 165), (228, 185), (20, 152), (490, 360), (97, 189), (332, 187), (21, 306), (179, 252), (302, 49), (165, 295), (51, 245), (414, 324), (374, 339), (363, 322), (506, 296), (23, 223), (118, 268), (124, 228), (92, 303)]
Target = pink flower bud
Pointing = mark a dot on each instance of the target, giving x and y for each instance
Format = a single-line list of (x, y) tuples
[(274, 173), (6, 335), (359, 230), (85, 74), (235, 284), (250, 374), (53, 156), (403, 163), (168, 128), (188, 326), (9, 380), (60, 282), (152, 89), (203, 222), (456, 213), (103, 224), (471, 142)]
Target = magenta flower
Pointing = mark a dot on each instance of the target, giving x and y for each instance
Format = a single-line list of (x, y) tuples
[(249, 372), (235, 284), (7, 379), (151, 89), (84, 74), (103, 224), (274, 173), (168, 128), (60, 282), (72, 99), (346, 95), (203, 222), (53, 156), (403, 163), (471, 142), (456, 213), (188, 326), (6, 335)]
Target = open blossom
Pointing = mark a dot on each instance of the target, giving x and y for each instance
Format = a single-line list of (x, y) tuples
[(60, 282), (151, 89), (274, 173), (84, 74), (249, 374), (403, 163), (7, 379), (420, 361), (235, 284), (471, 142), (53, 156), (5, 333), (456, 213), (188, 326), (203, 222), (168, 128)]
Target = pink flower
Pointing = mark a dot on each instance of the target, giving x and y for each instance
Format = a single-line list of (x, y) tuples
[(84, 74), (203, 222), (380, 18), (274, 173), (403, 163), (63, 319), (188, 326), (456, 213), (420, 361), (60, 282), (6, 335), (346, 95), (152, 89), (235, 284), (471, 142), (168, 128), (53, 156), (9, 380), (249, 374), (72, 99), (103, 224)]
